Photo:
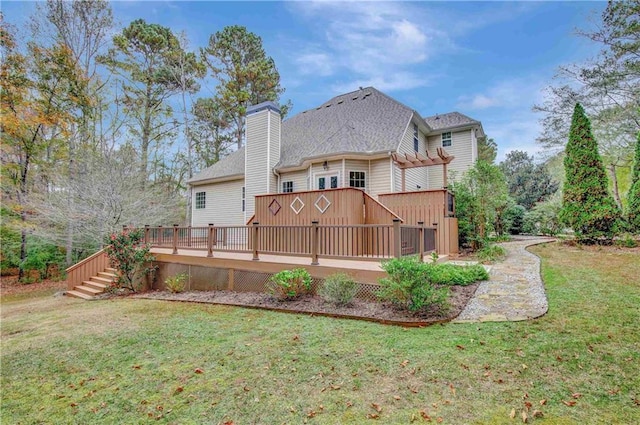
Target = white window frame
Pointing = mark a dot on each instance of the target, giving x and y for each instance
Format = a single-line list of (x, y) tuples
[(444, 139), (201, 204), (416, 138), (287, 183), (364, 179)]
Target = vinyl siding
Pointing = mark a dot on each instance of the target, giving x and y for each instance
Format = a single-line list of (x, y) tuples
[(274, 151), (223, 205), (416, 176), (463, 150), (379, 180), (299, 179)]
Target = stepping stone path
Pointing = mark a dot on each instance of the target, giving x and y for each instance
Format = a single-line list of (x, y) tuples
[(514, 290)]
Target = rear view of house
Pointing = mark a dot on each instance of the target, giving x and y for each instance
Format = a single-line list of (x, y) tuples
[(363, 140)]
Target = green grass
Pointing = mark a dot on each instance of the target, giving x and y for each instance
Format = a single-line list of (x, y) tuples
[(136, 361)]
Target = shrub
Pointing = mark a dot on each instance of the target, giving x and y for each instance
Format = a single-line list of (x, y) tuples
[(450, 274), (626, 241), (176, 284), (491, 253), (289, 284), (514, 218), (130, 256), (339, 289), (543, 218), (408, 286)]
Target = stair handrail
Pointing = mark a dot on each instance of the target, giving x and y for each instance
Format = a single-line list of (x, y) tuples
[(86, 260)]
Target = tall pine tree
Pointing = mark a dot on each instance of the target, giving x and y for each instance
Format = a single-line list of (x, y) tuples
[(633, 211), (587, 206)]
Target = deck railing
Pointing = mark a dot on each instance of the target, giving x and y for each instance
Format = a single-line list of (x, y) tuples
[(359, 242)]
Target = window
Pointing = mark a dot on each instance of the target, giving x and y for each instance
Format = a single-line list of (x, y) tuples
[(287, 187), (446, 139), (357, 179), (416, 147), (201, 200), (243, 196)]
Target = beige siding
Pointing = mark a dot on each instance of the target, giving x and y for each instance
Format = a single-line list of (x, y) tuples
[(223, 206), (463, 150), (299, 179), (379, 180), (417, 176), (274, 151)]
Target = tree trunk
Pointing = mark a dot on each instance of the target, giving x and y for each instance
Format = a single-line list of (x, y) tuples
[(614, 180)]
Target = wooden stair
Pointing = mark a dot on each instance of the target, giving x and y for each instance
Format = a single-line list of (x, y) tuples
[(96, 285)]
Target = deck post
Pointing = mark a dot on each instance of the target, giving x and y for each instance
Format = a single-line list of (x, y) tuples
[(397, 238), (421, 241), (146, 234), (314, 243), (210, 240), (254, 241), (175, 239), (160, 235), (189, 236)]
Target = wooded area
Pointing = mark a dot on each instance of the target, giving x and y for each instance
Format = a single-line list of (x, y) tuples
[(100, 132)]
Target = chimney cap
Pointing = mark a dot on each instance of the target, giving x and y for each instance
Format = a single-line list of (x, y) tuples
[(268, 105)]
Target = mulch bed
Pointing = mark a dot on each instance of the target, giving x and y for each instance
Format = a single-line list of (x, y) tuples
[(314, 305)]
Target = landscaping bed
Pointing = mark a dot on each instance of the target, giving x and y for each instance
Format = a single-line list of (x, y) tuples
[(314, 305)]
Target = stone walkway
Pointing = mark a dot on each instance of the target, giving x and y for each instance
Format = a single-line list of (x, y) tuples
[(514, 290)]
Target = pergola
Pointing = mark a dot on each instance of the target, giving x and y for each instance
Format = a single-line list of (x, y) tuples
[(405, 161)]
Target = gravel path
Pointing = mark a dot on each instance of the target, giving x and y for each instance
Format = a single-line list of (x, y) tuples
[(514, 290)]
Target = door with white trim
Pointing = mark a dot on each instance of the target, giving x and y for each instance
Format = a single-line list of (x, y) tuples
[(327, 180)]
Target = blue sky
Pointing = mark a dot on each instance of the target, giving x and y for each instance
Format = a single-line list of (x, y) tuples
[(488, 60)]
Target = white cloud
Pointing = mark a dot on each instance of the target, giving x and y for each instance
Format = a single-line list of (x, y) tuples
[(396, 82), (505, 94), (315, 64)]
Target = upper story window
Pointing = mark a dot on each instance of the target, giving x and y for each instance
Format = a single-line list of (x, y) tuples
[(201, 200), (357, 179), (446, 139), (416, 146), (287, 187), (243, 197)]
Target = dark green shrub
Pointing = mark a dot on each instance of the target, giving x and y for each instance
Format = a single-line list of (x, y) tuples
[(289, 284), (450, 274), (626, 241), (176, 284), (633, 209), (587, 206), (514, 219), (408, 286), (339, 289)]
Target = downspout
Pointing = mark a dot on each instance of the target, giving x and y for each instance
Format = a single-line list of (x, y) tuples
[(278, 176)]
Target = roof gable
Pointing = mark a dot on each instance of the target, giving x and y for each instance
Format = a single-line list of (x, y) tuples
[(231, 165), (449, 120)]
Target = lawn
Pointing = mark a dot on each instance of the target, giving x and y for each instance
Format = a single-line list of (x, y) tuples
[(142, 361)]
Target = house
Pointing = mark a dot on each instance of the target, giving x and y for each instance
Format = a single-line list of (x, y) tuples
[(351, 141)]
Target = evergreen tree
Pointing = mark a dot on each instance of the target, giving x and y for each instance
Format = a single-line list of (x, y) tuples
[(633, 212), (587, 207)]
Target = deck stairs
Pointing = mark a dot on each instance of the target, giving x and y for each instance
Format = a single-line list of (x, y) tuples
[(95, 286)]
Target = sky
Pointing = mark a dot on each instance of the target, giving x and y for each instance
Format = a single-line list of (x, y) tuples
[(488, 60)]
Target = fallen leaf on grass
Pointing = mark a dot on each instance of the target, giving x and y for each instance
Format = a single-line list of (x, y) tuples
[(349, 403), (460, 347), (73, 404), (335, 387), (179, 390), (512, 414), (377, 407), (569, 403), (527, 405), (311, 414), (576, 395), (396, 397), (452, 389), (137, 366), (439, 419), (198, 370), (543, 402), (537, 414), (525, 418), (425, 416), (373, 416), (228, 423)]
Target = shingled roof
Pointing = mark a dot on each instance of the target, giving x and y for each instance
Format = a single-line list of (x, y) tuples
[(363, 121), (449, 120), (231, 165)]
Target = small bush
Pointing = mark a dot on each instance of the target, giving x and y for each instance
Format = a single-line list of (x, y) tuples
[(339, 289), (491, 253), (450, 274), (626, 241), (289, 284), (408, 286), (129, 254), (176, 284)]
